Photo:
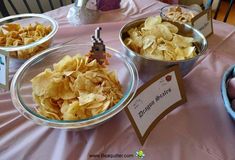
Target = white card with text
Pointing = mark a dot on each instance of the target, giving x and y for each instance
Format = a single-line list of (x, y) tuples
[(4, 70), (154, 100), (203, 22)]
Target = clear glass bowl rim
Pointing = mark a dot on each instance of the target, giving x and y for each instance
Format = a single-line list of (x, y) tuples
[(54, 23), (25, 111)]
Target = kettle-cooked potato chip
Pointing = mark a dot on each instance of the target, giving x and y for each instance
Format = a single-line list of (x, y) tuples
[(182, 41), (152, 22), (171, 27)]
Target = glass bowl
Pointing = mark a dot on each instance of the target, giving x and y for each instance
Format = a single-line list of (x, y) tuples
[(26, 51), (21, 87), (176, 17)]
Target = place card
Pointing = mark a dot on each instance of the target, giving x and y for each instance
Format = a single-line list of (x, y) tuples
[(4, 70), (203, 22), (154, 100)]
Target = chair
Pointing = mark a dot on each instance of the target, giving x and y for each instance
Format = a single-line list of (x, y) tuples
[(38, 4), (210, 2)]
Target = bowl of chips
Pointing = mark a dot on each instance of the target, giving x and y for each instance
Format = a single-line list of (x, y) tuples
[(26, 35), (154, 44), (62, 88), (179, 13)]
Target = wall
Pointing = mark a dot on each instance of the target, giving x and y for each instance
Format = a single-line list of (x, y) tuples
[(214, 5), (189, 2), (33, 5)]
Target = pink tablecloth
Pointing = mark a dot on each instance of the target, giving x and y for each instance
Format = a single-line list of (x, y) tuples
[(200, 129)]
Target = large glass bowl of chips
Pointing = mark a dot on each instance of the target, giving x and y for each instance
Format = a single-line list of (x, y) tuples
[(179, 13), (120, 68), (25, 35), (154, 44)]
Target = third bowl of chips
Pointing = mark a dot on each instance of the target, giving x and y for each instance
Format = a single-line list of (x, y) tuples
[(26, 35), (179, 13), (155, 44), (63, 87)]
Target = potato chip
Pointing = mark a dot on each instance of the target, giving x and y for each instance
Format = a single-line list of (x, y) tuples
[(75, 89), (152, 22), (1, 33), (17, 42), (2, 41), (182, 41), (171, 27), (9, 41), (159, 40), (166, 33), (148, 41), (27, 40), (66, 64), (11, 27)]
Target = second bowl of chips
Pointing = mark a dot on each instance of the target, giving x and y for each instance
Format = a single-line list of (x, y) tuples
[(143, 38), (26, 35), (59, 57)]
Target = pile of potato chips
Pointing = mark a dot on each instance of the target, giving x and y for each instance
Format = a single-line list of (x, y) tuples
[(13, 34), (177, 14), (159, 40), (75, 89)]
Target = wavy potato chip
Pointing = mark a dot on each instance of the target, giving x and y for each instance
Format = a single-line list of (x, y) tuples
[(159, 40), (75, 89), (181, 41), (171, 27), (151, 22), (148, 41)]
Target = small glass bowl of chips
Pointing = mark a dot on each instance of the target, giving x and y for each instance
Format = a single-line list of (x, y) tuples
[(22, 87), (26, 35), (178, 13)]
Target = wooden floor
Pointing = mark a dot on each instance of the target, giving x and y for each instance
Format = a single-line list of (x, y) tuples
[(222, 11)]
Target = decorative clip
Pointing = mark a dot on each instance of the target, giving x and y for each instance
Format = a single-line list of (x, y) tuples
[(98, 49)]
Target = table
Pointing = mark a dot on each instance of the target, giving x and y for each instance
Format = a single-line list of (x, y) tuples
[(199, 129)]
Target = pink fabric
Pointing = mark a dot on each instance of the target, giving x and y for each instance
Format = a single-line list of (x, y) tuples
[(200, 129)]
